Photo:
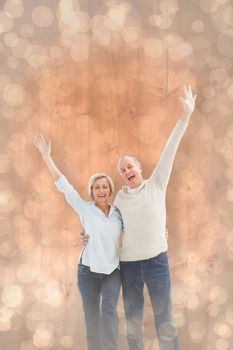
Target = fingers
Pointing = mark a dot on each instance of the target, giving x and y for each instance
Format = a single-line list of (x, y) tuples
[(39, 141), (188, 94), (42, 139), (36, 140), (84, 239)]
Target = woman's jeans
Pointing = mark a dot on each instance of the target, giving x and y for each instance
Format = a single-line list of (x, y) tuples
[(155, 274), (100, 293)]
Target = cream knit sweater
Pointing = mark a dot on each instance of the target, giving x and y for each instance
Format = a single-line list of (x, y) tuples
[(143, 209)]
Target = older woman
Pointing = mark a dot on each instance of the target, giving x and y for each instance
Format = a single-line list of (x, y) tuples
[(98, 269)]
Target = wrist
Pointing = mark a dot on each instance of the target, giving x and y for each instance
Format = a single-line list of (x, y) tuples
[(185, 117), (46, 156)]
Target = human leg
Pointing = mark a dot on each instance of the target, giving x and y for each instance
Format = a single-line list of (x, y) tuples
[(110, 290), (89, 286), (157, 278), (132, 288)]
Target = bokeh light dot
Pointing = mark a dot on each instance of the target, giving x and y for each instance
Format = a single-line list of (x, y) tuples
[(21, 47), (230, 92), (198, 26), (218, 295), (81, 22), (4, 81), (67, 342), (14, 95), (17, 142), (163, 21), (25, 241), (222, 344), (6, 23), (209, 92), (42, 16), (12, 295), (228, 15), (33, 318), (224, 43), (36, 55), (196, 331), (27, 345), (12, 62), (11, 39), (192, 301), (26, 273), (6, 226), (212, 61), (208, 6), (115, 18), (222, 330), (5, 324), (8, 276), (218, 78), (14, 8), (153, 47), (169, 6), (229, 315), (8, 249), (7, 201), (207, 106), (23, 113), (212, 310), (226, 63), (130, 34)]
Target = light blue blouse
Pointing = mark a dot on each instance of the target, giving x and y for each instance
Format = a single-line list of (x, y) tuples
[(101, 252)]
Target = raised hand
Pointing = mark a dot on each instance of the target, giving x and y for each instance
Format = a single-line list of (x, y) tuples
[(188, 102), (45, 150), (42, 146)]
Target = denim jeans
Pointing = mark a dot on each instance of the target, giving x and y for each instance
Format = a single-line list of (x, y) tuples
[(100, 293), (155, 274)]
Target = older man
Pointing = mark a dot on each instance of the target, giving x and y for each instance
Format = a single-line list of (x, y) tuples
[(144, 246)]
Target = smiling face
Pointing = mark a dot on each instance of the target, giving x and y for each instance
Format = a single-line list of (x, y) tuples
[(131, 171), (101, 191)]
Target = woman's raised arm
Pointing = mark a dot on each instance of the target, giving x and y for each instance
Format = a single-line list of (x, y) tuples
[(45, 151)]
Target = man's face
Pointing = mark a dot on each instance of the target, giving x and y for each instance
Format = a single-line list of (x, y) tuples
[(131, 172)]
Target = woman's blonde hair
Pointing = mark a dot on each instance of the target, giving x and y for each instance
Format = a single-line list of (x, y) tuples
[(97, 176)]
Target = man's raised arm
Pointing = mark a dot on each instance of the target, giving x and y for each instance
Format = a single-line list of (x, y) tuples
[(163, 169)]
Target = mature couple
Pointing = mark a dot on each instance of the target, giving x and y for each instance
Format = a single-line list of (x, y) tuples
[(139, 210)]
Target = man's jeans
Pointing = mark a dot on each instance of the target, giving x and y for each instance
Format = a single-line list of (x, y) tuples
[(155, 274), (100, 293)]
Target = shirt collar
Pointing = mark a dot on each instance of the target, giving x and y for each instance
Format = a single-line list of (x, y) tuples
[(112, 209), (129, 190)]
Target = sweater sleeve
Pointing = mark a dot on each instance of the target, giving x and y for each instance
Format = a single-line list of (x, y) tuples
[(71, 195), (163, 169)]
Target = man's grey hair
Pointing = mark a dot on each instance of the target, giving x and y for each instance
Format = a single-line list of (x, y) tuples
[(134, 159)]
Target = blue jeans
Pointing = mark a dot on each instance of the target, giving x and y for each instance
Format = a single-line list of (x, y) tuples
[(155, 274), (100, 293)]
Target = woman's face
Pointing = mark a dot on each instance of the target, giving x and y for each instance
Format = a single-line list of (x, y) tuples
[(101, 191)]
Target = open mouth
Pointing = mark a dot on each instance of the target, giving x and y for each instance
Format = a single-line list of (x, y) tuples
[(131, 178)]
